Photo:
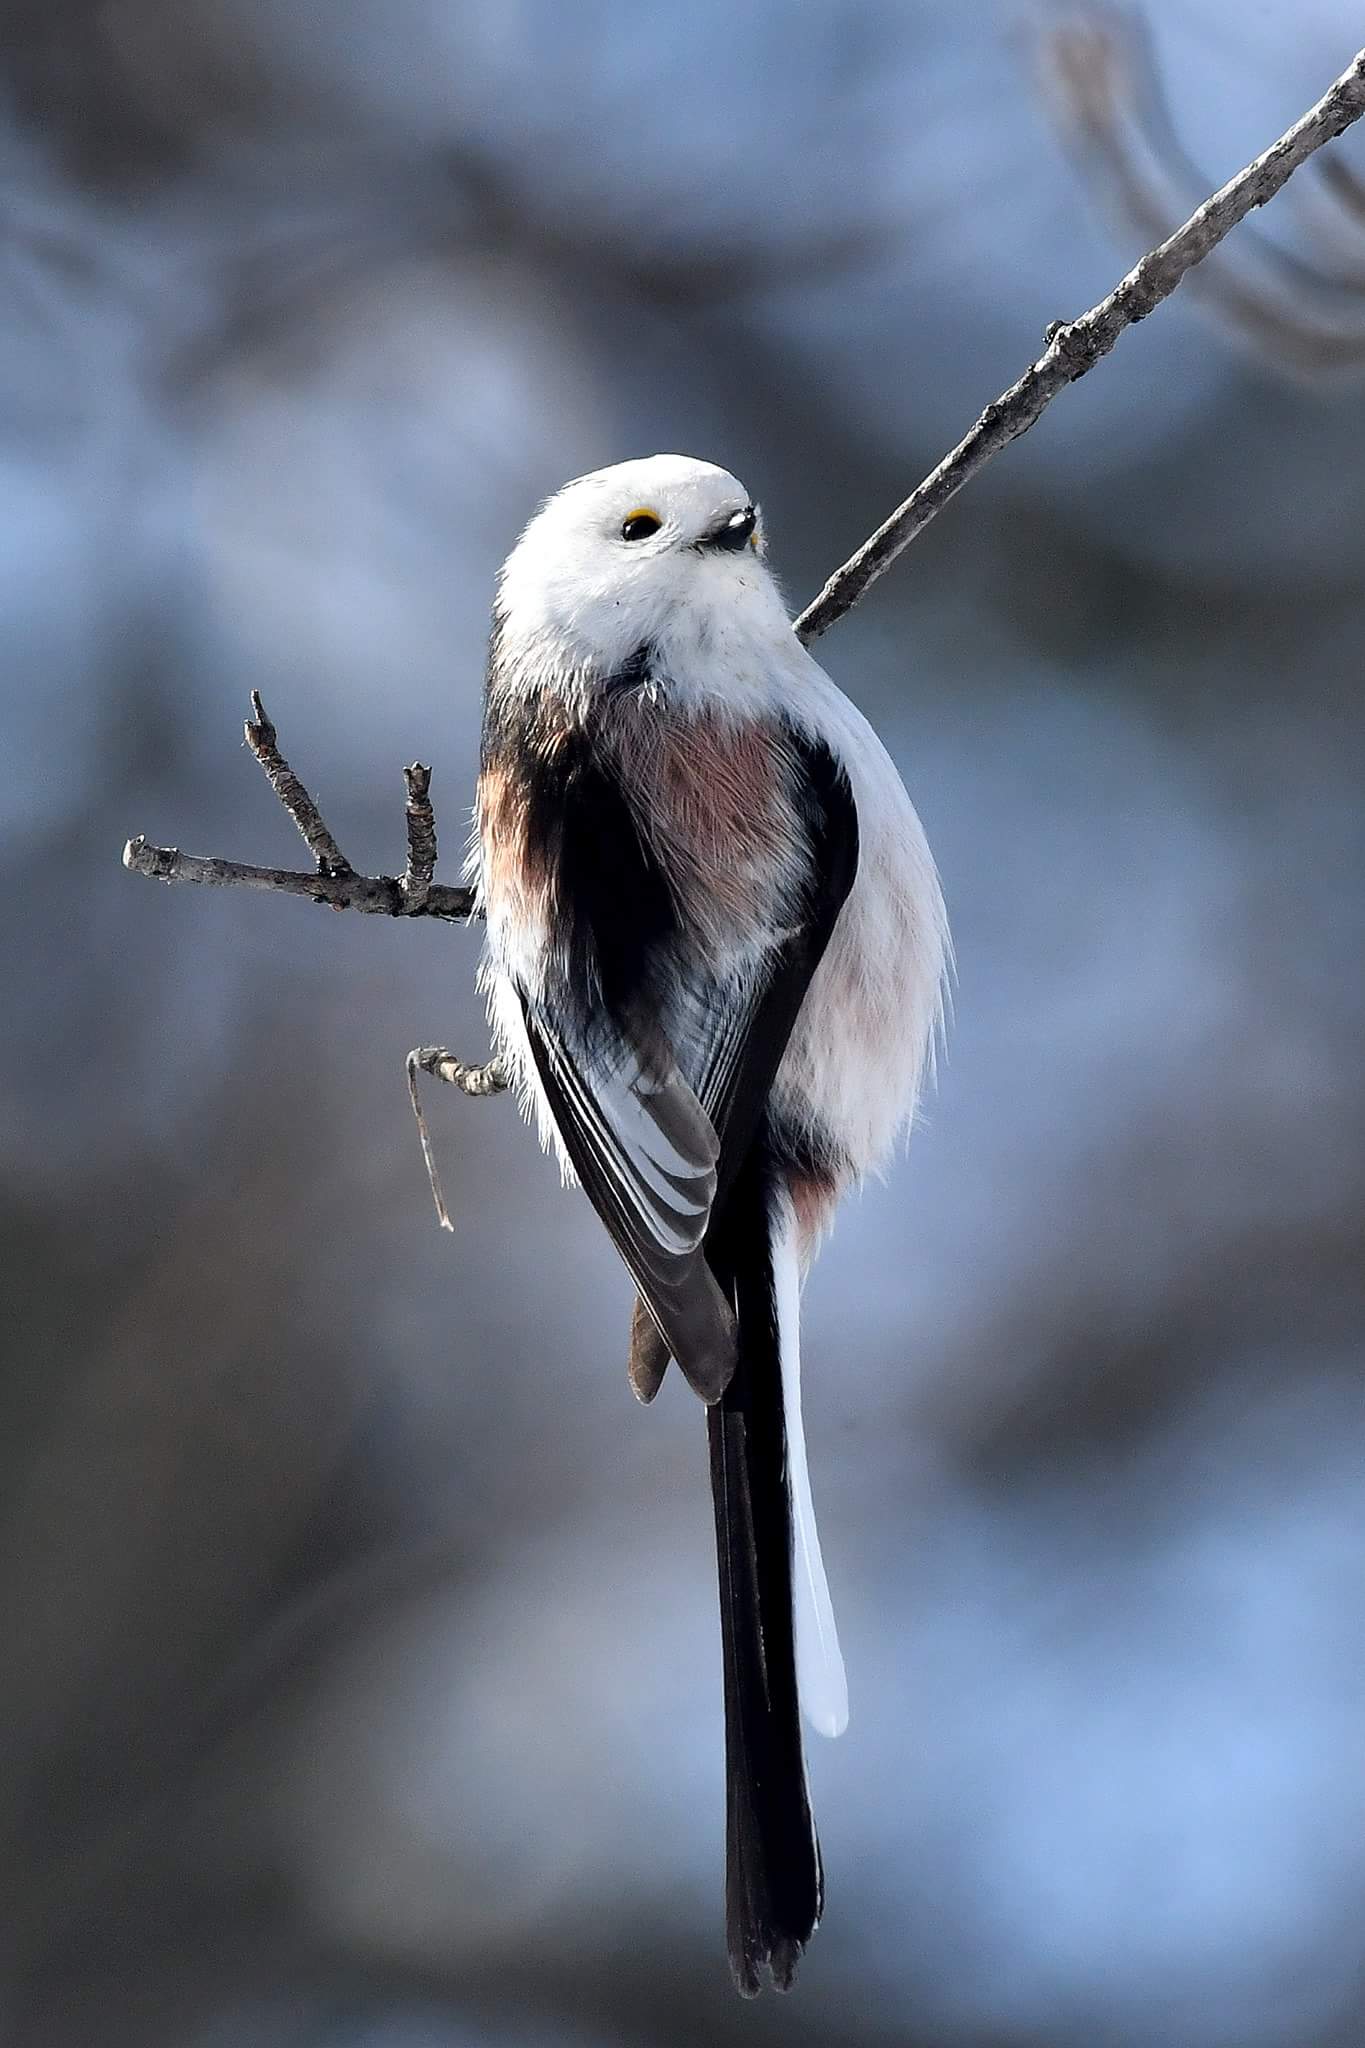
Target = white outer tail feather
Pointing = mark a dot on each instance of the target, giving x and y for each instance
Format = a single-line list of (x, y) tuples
[(820, 1677)]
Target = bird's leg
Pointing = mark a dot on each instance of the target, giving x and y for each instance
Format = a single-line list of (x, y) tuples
[(489, 1079)]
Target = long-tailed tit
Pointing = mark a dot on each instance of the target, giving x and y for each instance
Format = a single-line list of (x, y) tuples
[(716, 950)]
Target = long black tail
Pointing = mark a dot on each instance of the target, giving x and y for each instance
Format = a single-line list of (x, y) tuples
[(773, 1882)]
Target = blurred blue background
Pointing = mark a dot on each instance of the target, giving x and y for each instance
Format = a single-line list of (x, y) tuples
[(361, 1679)]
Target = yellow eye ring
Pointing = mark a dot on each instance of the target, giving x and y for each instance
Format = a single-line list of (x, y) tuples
[(640, 524)]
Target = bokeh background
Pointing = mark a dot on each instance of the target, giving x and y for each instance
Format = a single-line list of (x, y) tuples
[(360, 1673)]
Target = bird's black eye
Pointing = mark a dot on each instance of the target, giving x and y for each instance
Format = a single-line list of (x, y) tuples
[(640, 524)]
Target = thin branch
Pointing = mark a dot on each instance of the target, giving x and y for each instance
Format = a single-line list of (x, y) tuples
[(489, 1079), (1102, 86), (335, 880), (416, 881), (1076, 346), (381, 895), (261, 738)]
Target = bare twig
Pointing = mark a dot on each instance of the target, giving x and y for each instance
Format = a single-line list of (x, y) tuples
[(260, 737), (1076, 346), (489, 1079), (1101, 83), (335, 881), (416, 882), (380, 895)]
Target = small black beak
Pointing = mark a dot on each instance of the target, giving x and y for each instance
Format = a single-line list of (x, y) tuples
[(733, 533)]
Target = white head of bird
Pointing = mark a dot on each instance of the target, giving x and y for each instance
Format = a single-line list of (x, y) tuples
[(664, 548)]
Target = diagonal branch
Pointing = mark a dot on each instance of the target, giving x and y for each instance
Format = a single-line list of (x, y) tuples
[(1101, 84), (1076, 346)]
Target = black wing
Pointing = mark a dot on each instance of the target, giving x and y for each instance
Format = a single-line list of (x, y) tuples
[(831, 820), (655, 1154), (646, 1153)]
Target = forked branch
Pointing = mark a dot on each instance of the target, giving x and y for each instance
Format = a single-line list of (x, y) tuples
[(333, 880)]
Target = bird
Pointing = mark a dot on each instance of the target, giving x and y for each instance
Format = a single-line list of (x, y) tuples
[(715, 962)]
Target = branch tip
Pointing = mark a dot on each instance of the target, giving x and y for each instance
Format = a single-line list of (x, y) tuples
[(259, 727), (415, 885), (263, 741), (1075, 346)]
